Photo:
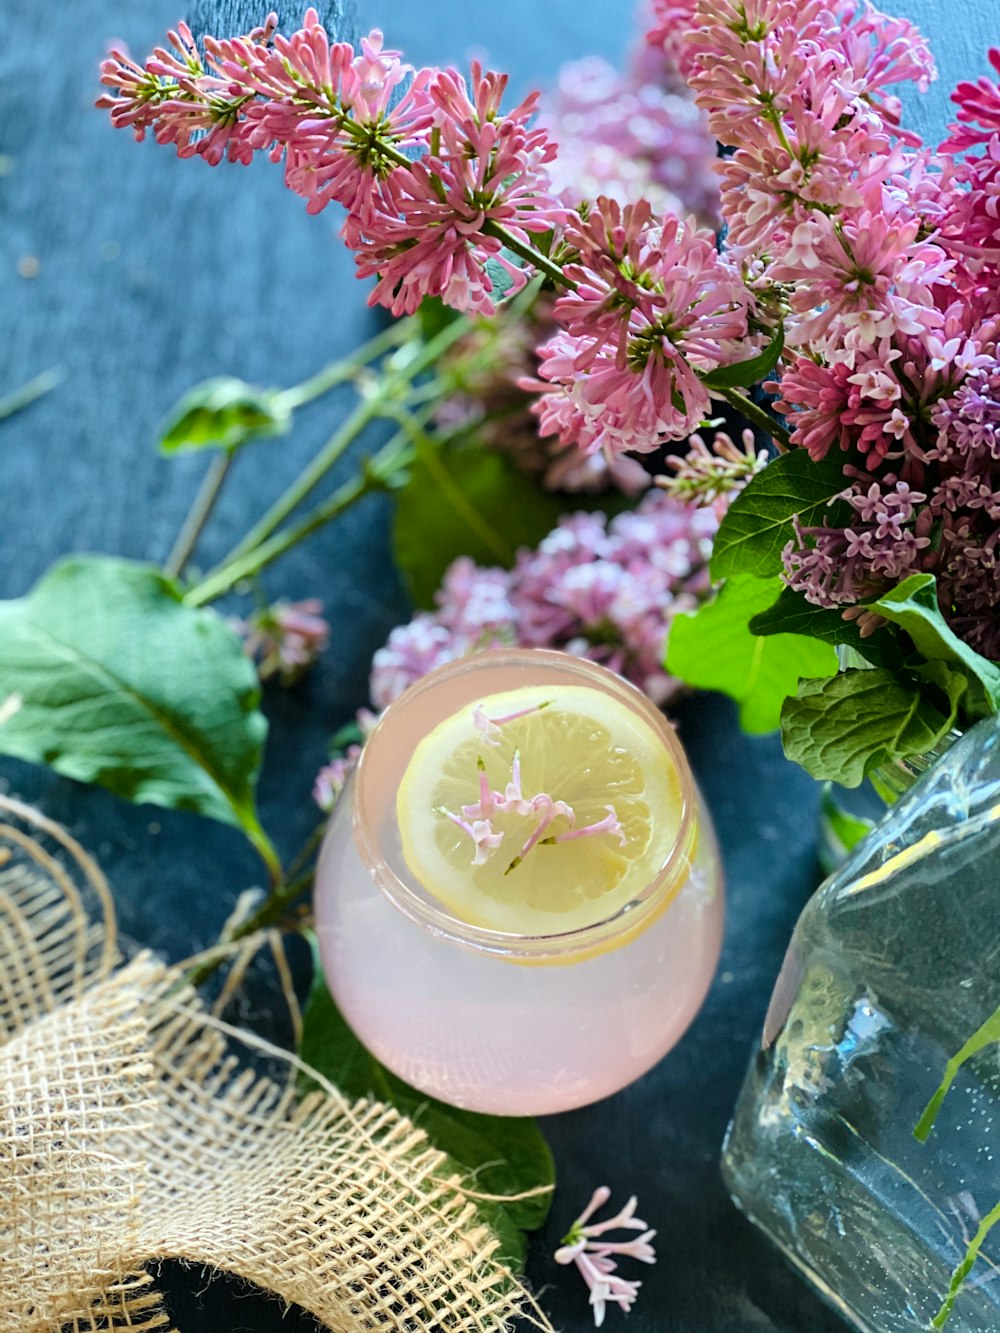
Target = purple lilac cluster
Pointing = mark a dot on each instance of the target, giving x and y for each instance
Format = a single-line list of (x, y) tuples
[(888, 254), (603, 590)]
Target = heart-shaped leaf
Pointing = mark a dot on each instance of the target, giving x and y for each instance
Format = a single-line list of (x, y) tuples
[(758, 524), (224, 413), (117, 682), (840, 728), (715, 650)]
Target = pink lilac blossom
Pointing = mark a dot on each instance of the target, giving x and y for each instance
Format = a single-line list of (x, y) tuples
[(482, 169), (925, 415), (970, 225), (670, 23), (712, 474), (651, 306), (332, 777), (596, 1258), (604, 590), (434, 176), (493, 402), (543, 809), (815, 185), (285, 639)]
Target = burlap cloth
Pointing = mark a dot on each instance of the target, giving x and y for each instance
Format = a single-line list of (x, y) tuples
[(132, 1130)]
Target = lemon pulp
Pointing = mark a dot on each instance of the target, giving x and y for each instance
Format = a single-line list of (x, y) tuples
[(578, 745)]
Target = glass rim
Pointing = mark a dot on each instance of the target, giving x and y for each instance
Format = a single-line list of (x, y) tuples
[(626, 920)]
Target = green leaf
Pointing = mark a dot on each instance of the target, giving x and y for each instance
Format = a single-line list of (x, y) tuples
[(758, 524), (505, 1154), (499, 276), (224, 413), (715, 650), (117, 682), (465, 502), (841, 728), (913, 605), (792, 614), (434, 317), (751, 371), (840, 830)]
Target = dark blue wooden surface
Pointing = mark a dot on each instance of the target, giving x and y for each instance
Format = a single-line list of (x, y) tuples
[(152, 274)]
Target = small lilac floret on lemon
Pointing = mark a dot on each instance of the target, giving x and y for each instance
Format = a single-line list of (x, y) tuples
[(481, 832), (578, 782)]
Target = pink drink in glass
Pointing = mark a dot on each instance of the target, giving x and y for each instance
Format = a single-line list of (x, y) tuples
[(503, 1023)]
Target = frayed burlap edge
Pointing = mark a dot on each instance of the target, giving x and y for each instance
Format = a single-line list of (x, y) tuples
[(135, 1127)]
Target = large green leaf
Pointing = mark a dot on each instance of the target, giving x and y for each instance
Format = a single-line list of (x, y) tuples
[(758, 524), (115, 681), (507, 1155), (465, 502), (913, 605), (224, 413), (715, 650), (792, 614), (841, 728)]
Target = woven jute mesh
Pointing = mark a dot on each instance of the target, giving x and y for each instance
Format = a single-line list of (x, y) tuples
[(135, 1126)]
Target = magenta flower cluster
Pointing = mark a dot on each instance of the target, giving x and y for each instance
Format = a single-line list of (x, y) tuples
[(443, 192), (606, 590), (433, 176), (888, 258), (879, 257)]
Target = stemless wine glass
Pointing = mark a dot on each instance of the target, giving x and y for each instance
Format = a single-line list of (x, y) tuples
[(504, 1023)]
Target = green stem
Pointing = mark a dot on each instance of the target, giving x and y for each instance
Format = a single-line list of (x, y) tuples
[(274, 907), (269, 913), (271, 910), (542, 263), (775, 119), (198, 515), (965, 1267), (339, 372), (27, 393), (265, 848), (757, 415), (988, 1034), (386, 389), (373, 477)]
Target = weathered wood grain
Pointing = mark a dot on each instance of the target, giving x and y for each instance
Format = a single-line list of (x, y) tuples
[(225, 18)]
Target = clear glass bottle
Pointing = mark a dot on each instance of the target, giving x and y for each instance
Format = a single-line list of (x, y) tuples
[(894, 964)]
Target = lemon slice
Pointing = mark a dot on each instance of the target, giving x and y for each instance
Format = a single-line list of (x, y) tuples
[(578, 745)]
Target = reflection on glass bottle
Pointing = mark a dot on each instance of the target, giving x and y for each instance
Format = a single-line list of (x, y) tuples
[(893, 965)]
